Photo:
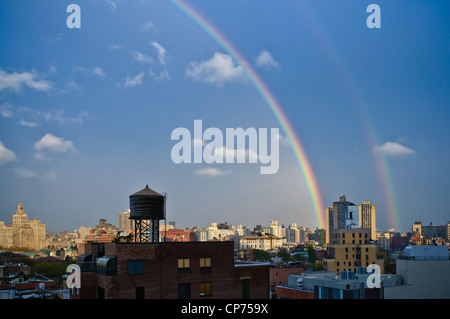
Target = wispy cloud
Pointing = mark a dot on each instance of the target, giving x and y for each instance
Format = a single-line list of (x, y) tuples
[(394, 149), (162, 75), (9, 111), (114, 47), (27, 123), (211, 171), (6, 155), (147, 26), (52, 144), (16, 81), (265, 60), (136, 81), (52, 39), (112, 4), (96, 70), (161, 52), (141, 57), (6, 110), (28, 173), (217, 71)]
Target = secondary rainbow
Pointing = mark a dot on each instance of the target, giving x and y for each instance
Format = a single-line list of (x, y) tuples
[(381, 162), (300, 154)]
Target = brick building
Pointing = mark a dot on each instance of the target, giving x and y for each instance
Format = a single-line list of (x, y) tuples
[(169, 270), (180, 235)]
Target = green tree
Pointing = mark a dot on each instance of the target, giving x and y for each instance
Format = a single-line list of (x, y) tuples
[(311, 254), (50, 269), (259, 254), (285, 255), (318, 266)]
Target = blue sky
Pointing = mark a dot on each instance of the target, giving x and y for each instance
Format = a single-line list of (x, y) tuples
[(86, 114)]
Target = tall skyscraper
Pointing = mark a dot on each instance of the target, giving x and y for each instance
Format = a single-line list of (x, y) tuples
[(27, 233), (367, 218), (340, 215), (126, 224)]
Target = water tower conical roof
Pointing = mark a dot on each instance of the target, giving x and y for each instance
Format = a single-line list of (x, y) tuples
[(147, 192)]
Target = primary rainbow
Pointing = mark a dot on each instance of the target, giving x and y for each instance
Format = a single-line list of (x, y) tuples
[(300, 154)]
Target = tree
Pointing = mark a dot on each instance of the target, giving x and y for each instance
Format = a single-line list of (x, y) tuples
[(259, 254), (311, 254), (318, 266), (50, 269), (285, 255)]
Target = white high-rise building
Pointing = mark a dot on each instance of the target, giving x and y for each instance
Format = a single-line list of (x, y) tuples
[(125, 223)]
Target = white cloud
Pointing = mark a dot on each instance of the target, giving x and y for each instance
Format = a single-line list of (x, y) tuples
[(52, 144), (137, 80), (114, 47), (141, 57), (28, 173), (211, 171), (96, 70), (224, 152), (283, 140), (80, 118), (161, 52), (16, 81), (112, 4), (70, 86), (5, 110), (9, 111), (161, 76), (27, 123), (394, 149), (265, 60), (99, 71), (216, 71), (147, 26), (52, 39), (6, 155)]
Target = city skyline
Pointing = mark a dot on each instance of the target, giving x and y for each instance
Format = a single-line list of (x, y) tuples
[(412, 227), (86, 115)]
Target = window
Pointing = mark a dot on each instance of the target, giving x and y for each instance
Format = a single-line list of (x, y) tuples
[(184, 264), (205, 263), (184, 290), (205, 289), (135, 267)]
